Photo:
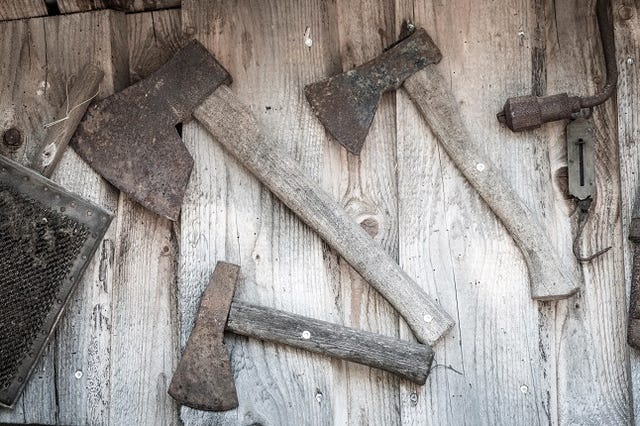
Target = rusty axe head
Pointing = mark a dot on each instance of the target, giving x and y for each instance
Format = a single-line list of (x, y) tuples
[(347, 102), (130, 138), (203, 379)]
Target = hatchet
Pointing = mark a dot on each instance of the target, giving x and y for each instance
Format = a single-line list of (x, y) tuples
[(204, 380), (348, 101), (130, 139)]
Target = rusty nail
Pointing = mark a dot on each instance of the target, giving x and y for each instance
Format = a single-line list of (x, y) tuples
[(12, 138)]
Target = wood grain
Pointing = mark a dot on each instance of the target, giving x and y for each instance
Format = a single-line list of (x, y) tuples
[(71, 385), (549, 277), (626, 15), (73, 6), (366, 185), (20, 9), (409, 360), (85, 87), (232, 124), (447, 232), (145, 254), (228, 216), (600, 309)]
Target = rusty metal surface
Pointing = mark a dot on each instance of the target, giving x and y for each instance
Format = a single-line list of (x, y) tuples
[(346, 103), (203, 379), (633, 328), (130, 137), (528, 112), (47, 238)]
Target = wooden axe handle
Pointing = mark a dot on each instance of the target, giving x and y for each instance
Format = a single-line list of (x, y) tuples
[(549, 278), (408, 360), (234, 126)]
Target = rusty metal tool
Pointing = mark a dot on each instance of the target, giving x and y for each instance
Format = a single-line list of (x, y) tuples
[(130, 138), (633, 327), (528, 112), (204, 380), (234, 126), (549, 277), (346, 103), (47, 238)]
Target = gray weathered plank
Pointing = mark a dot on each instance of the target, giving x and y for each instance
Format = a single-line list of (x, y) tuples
[(488, 370), (367, 186), (593, 346), (227, 216), (73, 6), (50, 47), (21, 9), (626, 15), (145, 272)]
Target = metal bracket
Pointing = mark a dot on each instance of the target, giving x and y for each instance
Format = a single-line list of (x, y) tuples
[(580, 157)]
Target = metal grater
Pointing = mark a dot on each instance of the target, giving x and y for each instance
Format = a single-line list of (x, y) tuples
[(47, 238)]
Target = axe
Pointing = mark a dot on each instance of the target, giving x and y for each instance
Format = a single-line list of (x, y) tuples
[(204, 380), (348, 101), (130, 139)]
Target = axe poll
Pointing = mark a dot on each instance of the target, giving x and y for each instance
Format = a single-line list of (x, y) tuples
[(204, 380), (130, 139), (348, 101)]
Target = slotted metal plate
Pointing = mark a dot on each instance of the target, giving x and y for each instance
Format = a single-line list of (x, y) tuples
[(47, 238)]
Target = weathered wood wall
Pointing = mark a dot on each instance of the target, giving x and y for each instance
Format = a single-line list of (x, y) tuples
[(508, 360)]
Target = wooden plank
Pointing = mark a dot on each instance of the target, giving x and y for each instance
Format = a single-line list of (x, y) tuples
[(153, 38), (145, 272), (489, 369), (593, 342), (366, 185), (73, 6), (626, 17), (21, 9), (227, 216), (71, 384)]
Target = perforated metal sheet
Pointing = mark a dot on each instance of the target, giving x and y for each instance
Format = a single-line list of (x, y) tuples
[(47, 238)]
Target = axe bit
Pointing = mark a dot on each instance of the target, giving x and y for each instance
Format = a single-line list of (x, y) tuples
[(130, 138), (204, 380), (138, 125), (549, 277)]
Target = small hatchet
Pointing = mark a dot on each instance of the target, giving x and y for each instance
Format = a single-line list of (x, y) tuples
[(348, 101), (204, 380), (130, 139)]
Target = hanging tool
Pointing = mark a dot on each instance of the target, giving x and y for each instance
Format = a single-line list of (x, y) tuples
[(549, 278), (234, 126), (204, 380), (528, 112), (139, 150), (47, 238)]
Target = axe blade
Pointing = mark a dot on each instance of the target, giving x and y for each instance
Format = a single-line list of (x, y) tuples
[(203, 379), (130, 138), (346, 103)]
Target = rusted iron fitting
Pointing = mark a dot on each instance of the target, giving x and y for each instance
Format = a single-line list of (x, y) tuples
[(528, 112)]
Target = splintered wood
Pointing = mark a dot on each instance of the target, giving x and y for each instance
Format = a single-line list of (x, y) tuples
[(508, 359)]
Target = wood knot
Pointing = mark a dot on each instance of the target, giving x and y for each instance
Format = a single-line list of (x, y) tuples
[(365, 213), (12, 139), (625, 12), (371, 226)]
